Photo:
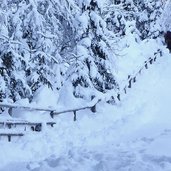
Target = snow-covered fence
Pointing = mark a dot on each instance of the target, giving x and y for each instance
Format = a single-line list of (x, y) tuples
[(10, 134), (54, 112), (91, 106), (28, 107), (116, 96), (133, 78), (35, 126)]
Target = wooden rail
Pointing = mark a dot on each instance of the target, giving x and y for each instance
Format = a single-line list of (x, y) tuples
[(29, 107), (133, 78), (35, 126), (53, 112), (9, 135), (91, 106)]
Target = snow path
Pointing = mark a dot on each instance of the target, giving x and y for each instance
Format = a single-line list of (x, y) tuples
[(135, 136)]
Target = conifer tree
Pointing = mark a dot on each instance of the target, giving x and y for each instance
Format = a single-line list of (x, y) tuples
[(142, 16), (94, 59), (31, 40), (13, 64)]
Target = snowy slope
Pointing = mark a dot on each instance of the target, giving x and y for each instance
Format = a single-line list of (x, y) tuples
[(134, 136)]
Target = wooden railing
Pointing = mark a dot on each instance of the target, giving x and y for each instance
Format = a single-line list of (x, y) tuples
[(35, 126), (133, 78), (10, 134), (53, 112), (92, 105), (7, 126)]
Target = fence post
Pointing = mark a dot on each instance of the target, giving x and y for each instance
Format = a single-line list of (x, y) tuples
[(10, 111), (38, 127), (119, 97), (160, 52), (140, 71), (125, 90), (129, 86), (75, 115), (134, 79), (93, 108), (52, 114), (146, 65), (151, 61), (9, 138)]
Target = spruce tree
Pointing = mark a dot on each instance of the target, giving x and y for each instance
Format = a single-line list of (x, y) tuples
[(13, 64), (93, 58)]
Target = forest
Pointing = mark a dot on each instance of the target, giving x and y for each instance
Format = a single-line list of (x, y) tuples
[(74, 44)]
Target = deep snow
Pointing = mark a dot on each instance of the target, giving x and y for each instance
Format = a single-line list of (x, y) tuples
[(135, 135)]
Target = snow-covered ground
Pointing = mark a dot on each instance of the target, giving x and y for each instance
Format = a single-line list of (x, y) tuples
[(135, 135)]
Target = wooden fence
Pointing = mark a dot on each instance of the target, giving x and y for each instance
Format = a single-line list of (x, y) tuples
[(54, 112), (134, 77)]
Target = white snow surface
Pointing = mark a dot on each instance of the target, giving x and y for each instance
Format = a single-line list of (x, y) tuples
[(135, 135)]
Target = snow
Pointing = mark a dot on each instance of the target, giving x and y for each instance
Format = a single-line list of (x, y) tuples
[(45, 97), (134, 135)]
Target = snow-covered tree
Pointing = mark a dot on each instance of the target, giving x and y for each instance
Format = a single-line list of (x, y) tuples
[(142, 15), (92, 59), (31, 44), (147, 17), (119, 14), (50, 42), (13, 64)]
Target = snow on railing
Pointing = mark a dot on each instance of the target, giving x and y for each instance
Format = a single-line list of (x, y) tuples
[(91, 106), (35, 126), (28, 107)]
